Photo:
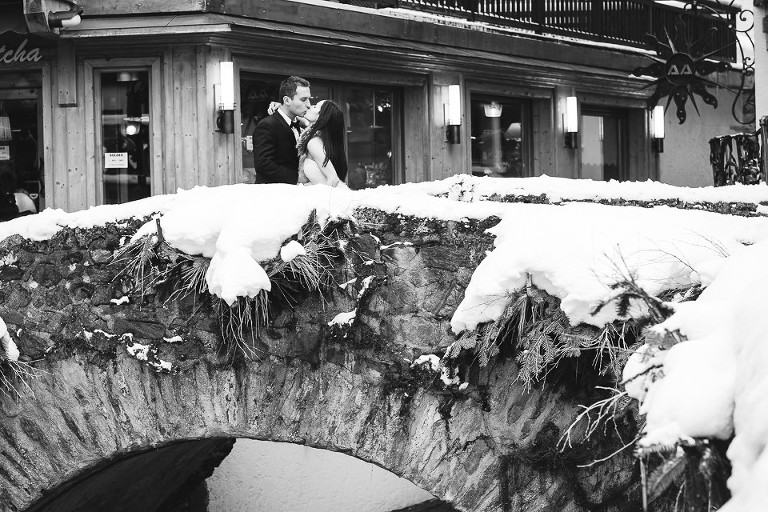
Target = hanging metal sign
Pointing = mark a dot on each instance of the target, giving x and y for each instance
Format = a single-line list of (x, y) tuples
[(682, 64)]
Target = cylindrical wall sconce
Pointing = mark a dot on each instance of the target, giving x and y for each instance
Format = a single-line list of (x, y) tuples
[(657, 129), (453, 115), (225, 121), (571, 122)]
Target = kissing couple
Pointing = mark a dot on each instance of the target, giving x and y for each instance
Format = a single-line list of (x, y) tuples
[(300, 143)]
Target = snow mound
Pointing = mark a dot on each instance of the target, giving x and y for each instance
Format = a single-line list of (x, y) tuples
[(576, 251)]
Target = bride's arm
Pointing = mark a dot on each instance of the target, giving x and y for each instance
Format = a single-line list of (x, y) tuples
[(317, 153)]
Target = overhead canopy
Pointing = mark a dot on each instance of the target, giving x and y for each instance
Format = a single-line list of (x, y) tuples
[(12, 17)]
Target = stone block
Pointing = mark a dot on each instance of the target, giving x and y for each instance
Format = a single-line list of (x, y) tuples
[(81, 291), (101, 295), (34, 343), (46, 274), (16, 298), (139, 328), (10, 273), (100, 256)]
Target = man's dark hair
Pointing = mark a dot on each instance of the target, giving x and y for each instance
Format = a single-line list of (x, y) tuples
[(289, 85)]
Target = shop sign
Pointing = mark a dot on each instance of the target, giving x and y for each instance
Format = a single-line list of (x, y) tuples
[(19, 54), (5, 152), (115, 160)]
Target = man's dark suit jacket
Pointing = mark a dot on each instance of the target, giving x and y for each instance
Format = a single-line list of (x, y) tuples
[(274, 151)]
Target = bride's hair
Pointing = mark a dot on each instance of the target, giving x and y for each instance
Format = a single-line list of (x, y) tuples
[(330, 128)]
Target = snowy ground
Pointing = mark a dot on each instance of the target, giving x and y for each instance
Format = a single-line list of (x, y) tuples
[(713, 385)]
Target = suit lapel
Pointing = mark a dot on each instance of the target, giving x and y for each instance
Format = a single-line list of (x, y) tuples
[(282, 121)]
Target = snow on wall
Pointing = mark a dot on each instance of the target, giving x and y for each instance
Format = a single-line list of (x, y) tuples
[(713, 384)]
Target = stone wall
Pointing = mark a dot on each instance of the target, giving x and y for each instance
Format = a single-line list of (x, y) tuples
[(114, 381)]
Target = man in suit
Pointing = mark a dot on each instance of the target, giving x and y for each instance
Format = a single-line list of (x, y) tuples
[(275, 137)]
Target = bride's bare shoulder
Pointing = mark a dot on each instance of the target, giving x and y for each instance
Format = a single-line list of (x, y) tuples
[(315, 144)]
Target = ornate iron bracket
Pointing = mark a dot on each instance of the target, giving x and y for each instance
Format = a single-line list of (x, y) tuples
[(681, 65)]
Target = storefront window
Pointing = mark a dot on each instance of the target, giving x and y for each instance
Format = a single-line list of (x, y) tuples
[(125, 136), (603, 153), (369, 118), (21, 158), (499, 137), (369, 136)]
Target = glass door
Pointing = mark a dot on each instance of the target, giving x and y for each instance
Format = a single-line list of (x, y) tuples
[(499, 136), (21, 148), (125, 136), (369, 135), (603, 145), (371, 117)]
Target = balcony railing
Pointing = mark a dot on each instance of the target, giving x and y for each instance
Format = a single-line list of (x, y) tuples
[(624, 22)]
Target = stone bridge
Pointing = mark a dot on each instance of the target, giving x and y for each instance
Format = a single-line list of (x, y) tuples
[(134, 403)]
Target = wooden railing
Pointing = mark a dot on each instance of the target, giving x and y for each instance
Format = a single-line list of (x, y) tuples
[(624, 22)]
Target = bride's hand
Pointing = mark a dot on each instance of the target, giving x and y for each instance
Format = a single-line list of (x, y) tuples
[(273, 106)]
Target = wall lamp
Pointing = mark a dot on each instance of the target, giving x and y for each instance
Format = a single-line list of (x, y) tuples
[(571, 122), (657, 129), (492, 109), (65, 19), (453, 115), (225, 120)]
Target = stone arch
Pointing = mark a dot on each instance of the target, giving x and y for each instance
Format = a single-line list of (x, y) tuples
[(488, 448), (84, 414)]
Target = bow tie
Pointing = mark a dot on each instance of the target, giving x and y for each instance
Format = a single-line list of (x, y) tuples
[(296, 124)]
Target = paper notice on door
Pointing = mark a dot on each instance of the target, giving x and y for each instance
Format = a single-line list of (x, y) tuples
[(5, 152), (115, 160)]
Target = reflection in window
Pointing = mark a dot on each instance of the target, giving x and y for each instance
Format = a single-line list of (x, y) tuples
[(21, 153), (369, 136), (125, 135), (368, 114), (498, 137), (602, 148)]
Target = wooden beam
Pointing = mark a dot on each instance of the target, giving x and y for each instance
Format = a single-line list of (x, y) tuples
[(112, 7)]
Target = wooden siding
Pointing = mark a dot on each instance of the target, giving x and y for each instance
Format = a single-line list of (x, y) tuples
[(643, 165), (446, 159), (567, 161), (544, 135), (416, 134), (186, 150)]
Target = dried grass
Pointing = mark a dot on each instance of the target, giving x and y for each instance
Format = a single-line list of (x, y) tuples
[(15, 376)]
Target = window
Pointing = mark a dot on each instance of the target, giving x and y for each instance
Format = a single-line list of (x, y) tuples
[(370, 115), (125, 139), (604, 144), (500, 141), (21, 148)]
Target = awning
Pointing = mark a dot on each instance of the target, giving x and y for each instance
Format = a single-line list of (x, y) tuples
[(12, 17)]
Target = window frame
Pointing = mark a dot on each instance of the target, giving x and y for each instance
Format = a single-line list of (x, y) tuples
[(93, 68), (622, 114), (526, 114), (337, 85)]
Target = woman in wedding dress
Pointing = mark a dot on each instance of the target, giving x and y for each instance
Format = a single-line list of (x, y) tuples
[(322, 156)]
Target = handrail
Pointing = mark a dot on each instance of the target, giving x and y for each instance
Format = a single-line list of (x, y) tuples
[(624, 22)]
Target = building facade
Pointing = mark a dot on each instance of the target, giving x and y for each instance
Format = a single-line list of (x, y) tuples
[(108, 101)]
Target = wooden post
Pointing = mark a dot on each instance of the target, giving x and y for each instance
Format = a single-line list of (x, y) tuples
[(597, 17), (763, 132), (538, 16)]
